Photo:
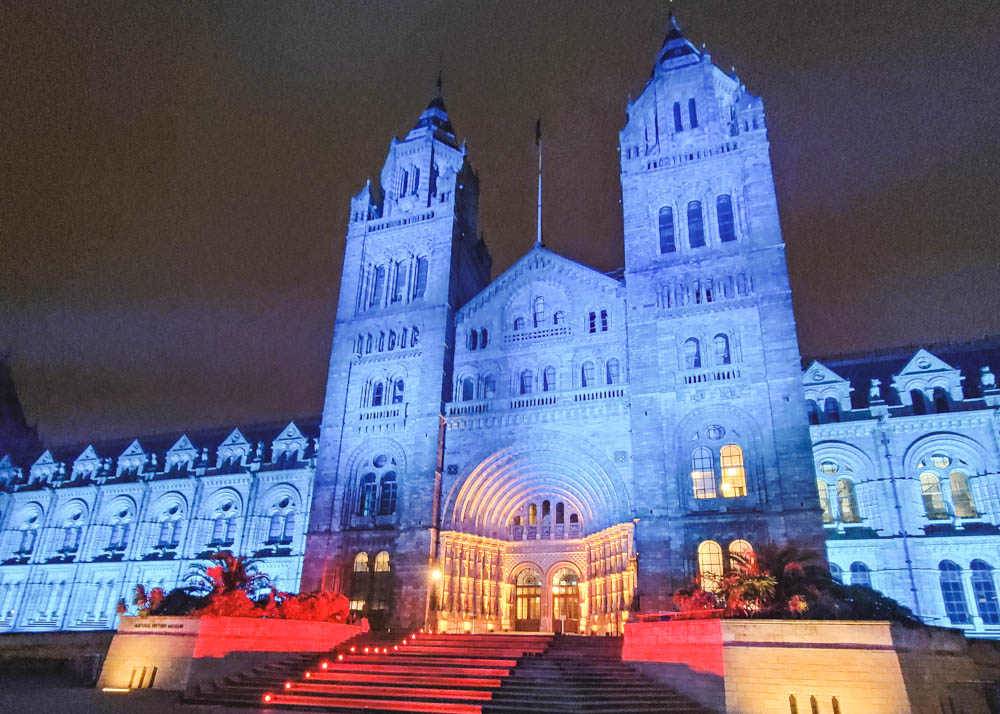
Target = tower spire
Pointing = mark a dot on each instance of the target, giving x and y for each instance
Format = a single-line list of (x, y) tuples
[(538, 143)]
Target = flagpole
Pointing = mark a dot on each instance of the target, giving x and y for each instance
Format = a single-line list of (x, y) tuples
[(538, 142)]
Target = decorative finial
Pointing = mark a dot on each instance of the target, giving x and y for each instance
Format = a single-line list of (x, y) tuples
[(874, 391), (538, 143), (987, 379)]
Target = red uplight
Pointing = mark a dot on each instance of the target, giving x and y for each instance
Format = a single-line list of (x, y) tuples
[(395, 648), (288, 685), (413, 637), (267, 697), (421, 630), (324, 664), (308, 674), (404, 642), (353, 648), (366, 650), (340, 658)]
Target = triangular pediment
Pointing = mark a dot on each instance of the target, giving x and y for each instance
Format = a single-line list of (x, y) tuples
[(539, 263), (88, 455), (46, 459), (818, 373), (235, 438), (290, 433), (182, 446), (923, 362), (133, 449), (6, 464)]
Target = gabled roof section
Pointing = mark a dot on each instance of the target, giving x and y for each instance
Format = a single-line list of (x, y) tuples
[(133, 449), (537, 263), (819, 374), (183, 446), (923, 362), (675, 44), (235, 438)]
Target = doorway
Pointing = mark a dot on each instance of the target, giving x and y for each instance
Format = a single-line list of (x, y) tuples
[(566, 602), (528, 601)]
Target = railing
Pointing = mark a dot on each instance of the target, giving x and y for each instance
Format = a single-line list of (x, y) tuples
[(380, 413), (723, 374), (462, 408), (536, 334), (539, 401), (394, 222), (609, 393), (529, 401)]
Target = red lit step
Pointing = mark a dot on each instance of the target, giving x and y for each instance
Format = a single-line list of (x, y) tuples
[(334, 676), (409, 669), (401, 658), (300, 700), (362, 690), (501, 651)]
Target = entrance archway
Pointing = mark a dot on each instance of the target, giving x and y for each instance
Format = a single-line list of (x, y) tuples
[(528, 601), (566, 601)]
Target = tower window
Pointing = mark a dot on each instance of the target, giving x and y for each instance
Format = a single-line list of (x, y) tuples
[(489, 387), (930, 491), (518, 324), (399, 287), (831, 408), (940, 400), (604, 320), (985, 592), (526, 382), (387, 496), (379, 291), (710, 567), (692, 112), (614, 371), (559, 318), (667, 244), (468, 389), (397, 392), (587, 374), (366, 502), (812, 411), (696, 225), (919, 401), (378, 394), (961, 496), (420, 284), (727, 225), (692, 353), (677, 117), (473, 339), (483, 339), (824, 500), (722, 355), (847, 501), (549, 379), (592, 322), (953, 593), (734, 479), (538, 312), (703, 473)]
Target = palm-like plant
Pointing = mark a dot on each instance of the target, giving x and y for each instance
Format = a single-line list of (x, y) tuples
[(229, 573)]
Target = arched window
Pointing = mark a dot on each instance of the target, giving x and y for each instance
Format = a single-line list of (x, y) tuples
[(378, 394), (119, 535), (382, 562), (414, 336), (614, 371), (473, 340), (361, 563), (560, 512), (397, 392), (919, 401), (468, 389), (604, 320), (984, 589), (741, 555), (710, 566), (667, 242), (961, 496), (592, 323), (549, 379), (734, 480), (692, 353), (381, 341), (727, 226), (836, 573), (930, 491), (812, 411), (692, 112), (587, 374), (392, 340), (861, 574), (489, 387), (399, 285), (378, 293), (29, 536), (831, 409), (483, 338), (953, 593), (360, 583), (533, 515), (526, 381), (847, 501), (538, 313), (274, 528), (696, 225), (559, 318), (518, 324), (721, 344), (793, 706), (387, 495), (678, 126), (941, 403), (71, 539), (824, 500), (368, 344), (366, 502), (703, 473), (420, 284)]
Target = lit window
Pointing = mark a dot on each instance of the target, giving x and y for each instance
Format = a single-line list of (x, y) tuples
[(824, 500), (741, 554), (985, 592), (836, 573), (366, 505), (941, 461), (724, 209), (533, 515), (703, 473), (861, 575), (829, 467), (587, 374), (961, 496), (614, 371), (953, 593), (930, 491), (382, 562), (721, 343), (387, 496), (847, 501), (692, 353), (696, 225), (361, 563), (710, 566), (734, 482), (667, 242)]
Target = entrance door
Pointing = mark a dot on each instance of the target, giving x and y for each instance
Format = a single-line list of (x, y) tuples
[(528, 601), (566, 602)]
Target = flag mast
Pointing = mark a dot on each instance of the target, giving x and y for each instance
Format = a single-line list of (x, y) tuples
[(538, 143)]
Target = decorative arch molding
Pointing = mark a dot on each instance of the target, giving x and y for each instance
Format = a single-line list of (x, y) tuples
[(76, 505), (277, 493), (356, 461), (523, 293), (561, 565), (553, 465), (979, 458), (842, 452), (26, 510), (217, 498), (116, 505), (168, 500), (523, 565)]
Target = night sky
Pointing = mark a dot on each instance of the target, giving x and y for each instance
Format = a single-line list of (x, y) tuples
[(176, 176)]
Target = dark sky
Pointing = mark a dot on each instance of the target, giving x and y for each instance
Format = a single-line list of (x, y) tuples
[(175, 177)]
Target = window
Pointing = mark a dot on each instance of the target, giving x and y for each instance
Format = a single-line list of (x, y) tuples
[(592, 323), (526, 382), (473, 341), (387, 496), (71, 539), (919, 401), (824, 500), (692, 353), (397, 392), (490, 387), (710, 567), (420, 284), (28, 538), (559, 318), (961, 496), (274, 528), (953, 593), (399, 286), (985, 592), (368, 345), (696, 225), (727, 226), (549, 379), (533, 515), (741, 554), (667, 243), (366, 502), (614, 371), (382, 562), (288, 533), (414, 337), (483, 339), (692, 112), (940, 400), (518, 324), (930, 490), (360, 583), (836, 573), (378, 394), (468, 389), (734, 482), (847, 501), (721, 344), (812, 411), (604, 320), (538, 311), (381, 341), (831, 408), (119, 536), (703, 473), (379, 291), (861, 574), (169, 531), (392, 340), (678, 126), (587, 374)]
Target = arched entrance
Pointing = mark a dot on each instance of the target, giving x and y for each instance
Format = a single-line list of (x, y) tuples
[(528, 601), (565, 601)]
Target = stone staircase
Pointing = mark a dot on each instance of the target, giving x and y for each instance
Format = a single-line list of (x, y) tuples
[(453, 674)]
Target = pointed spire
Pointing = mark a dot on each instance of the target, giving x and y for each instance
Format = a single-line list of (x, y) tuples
[(675, 44), (538, 143)]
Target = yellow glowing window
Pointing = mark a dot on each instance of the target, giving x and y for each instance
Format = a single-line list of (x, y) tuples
[(847, 501), (961, 496), (930, 491), (941, 461), (703, 473), (734, 481), (824, 500), (710, 567), (740, 554)]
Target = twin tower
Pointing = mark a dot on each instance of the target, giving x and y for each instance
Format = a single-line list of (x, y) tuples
[(556, 448)]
